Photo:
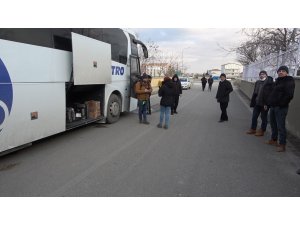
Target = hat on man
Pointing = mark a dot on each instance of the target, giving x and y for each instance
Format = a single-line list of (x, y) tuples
[(166, 78), (144, 76), (284, 68), (263, 72), (223, 75)]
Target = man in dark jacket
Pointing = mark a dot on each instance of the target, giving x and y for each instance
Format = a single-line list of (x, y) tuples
[(222, 96), (177, 91), (148, 102), (203, 81), (210, 81), (261, 92), (279, 99), (166, 92)]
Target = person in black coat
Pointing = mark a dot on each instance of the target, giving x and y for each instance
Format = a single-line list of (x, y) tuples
[(166, 92), (222, 96), (262, 89), (203, 81), (279, 99), (210, 81), (148, 102), (177, 91)]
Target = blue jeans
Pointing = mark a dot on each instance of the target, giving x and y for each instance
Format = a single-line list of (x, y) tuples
[(263, 115), (165, 111), (142, 104), (277, 122)]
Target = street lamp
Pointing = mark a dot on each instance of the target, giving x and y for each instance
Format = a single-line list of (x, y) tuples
[(182, 58)]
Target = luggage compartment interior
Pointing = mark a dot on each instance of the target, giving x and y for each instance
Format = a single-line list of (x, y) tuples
[(84, 104)]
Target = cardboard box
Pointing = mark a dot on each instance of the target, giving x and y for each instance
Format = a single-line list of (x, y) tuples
[(93, 109), (93, 105), (94, 115)]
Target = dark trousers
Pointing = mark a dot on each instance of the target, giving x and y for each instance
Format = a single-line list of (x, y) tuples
[(203, 86), (149, 107), (142, 109), (277, 122), (176, 101), (223, 106), (209, 86), (259, 110)]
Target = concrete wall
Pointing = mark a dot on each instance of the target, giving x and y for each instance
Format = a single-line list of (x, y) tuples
[(293, 122)]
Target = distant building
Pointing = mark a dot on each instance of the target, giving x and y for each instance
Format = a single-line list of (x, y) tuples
[(155, 69), (214, 72), (232, 70)]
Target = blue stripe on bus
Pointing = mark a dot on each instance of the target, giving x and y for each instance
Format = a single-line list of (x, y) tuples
[(6, 91)]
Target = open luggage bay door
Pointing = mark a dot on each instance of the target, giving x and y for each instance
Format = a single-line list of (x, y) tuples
[(91, 60)]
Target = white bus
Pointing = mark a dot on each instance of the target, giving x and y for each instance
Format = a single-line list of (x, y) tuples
[(47, 77)]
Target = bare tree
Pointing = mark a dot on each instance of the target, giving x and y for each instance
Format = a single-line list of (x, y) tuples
[(172, 60), (265, 41), (153, 50), (247, 52), (166, 62)]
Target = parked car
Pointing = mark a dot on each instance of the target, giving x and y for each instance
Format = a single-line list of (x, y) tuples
[(185, 82), (216, 77)]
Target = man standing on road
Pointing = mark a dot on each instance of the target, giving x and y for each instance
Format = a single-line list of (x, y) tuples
[(148, 102), (222, 96), (280, 97), (143, 91), (177, 91), (210, 81), (262, 89), (203, 81)]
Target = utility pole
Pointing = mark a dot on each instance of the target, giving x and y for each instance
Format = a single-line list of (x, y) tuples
[(182, 59)]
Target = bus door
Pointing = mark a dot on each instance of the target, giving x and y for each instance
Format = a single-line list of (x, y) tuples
[(135, 72)]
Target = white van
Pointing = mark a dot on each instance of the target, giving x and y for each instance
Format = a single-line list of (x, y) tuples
[(185, 82)]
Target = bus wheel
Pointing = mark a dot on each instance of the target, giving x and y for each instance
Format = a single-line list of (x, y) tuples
[(113, 109)]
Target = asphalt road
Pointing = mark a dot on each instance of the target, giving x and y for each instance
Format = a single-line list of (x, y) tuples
[(197, 156)]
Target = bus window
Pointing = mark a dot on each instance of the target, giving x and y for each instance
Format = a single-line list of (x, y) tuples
[(134, 49), (34, 36), (119, 44), (134, 66), (113, 36), (62, 43)]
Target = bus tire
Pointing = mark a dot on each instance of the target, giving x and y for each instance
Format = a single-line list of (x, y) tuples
[(113, 109)]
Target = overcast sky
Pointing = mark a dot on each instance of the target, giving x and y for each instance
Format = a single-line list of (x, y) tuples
[(202, 48)]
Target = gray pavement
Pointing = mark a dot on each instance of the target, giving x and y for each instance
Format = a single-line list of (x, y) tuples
[(197, 156)]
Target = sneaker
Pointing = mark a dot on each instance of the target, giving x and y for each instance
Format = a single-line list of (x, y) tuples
[(176, 112), (166, 127), (146, 122), (259, 133), (251, 131), (159, 125), (281, 148), (272, 142)]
